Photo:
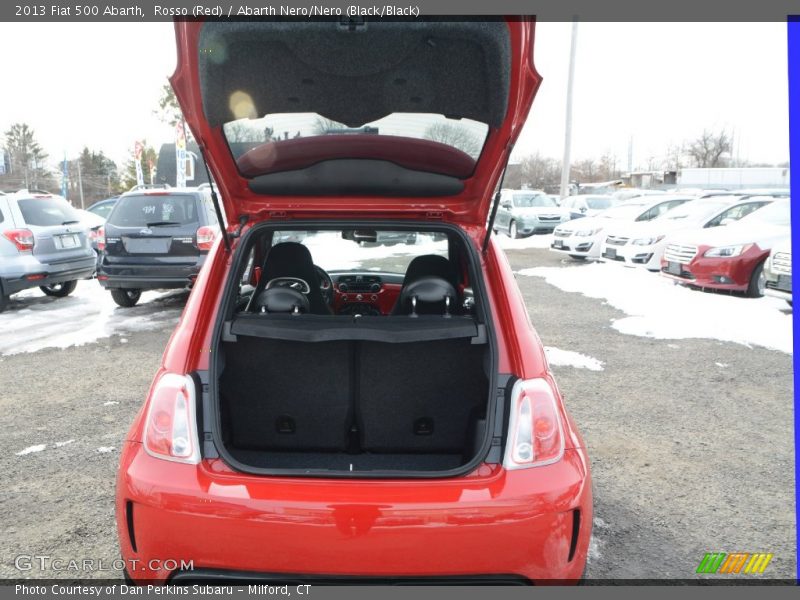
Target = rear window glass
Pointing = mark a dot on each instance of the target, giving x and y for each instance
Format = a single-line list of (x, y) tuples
[(46, 212), (599, 202), (387, 251), (463, 134), (151, 209)]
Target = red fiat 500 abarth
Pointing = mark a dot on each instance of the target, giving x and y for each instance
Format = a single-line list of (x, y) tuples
[(329, 408)]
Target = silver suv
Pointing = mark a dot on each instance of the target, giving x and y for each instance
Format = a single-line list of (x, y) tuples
[(42, 244)]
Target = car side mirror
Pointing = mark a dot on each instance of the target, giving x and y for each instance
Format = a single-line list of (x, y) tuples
[(583, 209), (506, 204)]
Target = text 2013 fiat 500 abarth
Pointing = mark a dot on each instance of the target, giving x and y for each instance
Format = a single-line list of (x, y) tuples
[(329, 409)]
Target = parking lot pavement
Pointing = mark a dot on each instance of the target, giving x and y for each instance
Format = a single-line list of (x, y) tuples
[(690, 439)]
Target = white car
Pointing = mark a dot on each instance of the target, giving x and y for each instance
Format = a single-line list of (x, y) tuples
[(778, 271), (635, 193), (581, 238), (643, 244), (588, 205)]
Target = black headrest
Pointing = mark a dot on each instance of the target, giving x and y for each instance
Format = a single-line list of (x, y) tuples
[(282, 300), (289, 259), (428, 295), (431, 265)]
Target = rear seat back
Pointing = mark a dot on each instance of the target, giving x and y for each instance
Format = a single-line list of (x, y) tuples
[(419, 396), (285, 395)]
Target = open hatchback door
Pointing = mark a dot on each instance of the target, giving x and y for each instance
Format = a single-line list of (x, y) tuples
[(368, 119)]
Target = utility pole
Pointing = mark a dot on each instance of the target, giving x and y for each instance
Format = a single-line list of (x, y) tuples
[(568, 124), (80, 182)]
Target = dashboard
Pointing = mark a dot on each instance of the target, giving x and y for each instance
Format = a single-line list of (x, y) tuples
[(365, 292)]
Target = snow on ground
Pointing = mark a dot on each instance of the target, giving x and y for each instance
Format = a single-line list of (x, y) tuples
[(31, 449), (659, 309), (568, 358), (35, 321)]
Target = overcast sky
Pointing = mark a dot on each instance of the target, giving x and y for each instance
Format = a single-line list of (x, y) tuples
[(660, 83)]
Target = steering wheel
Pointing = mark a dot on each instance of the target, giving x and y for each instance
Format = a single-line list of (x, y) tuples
[(325, 285)]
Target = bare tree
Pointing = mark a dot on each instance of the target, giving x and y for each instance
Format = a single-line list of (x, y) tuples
[(539, 171), (323, 125), (455, 135), (245, 131), (708, 149)]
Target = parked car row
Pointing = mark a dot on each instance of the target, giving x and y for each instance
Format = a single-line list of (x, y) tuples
[(151, 238), (716, 241)]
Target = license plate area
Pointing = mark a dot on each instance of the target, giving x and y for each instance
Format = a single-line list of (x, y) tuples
[(67, 241), (610, 253), (159, 245), (785, 282), (674, 268), (558, 243)]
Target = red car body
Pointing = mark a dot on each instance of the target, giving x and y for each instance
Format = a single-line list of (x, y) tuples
[(506, 525)]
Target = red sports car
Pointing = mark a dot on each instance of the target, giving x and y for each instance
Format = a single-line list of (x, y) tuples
[(329, 410)]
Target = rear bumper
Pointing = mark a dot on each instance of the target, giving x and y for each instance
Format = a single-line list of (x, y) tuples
[(34, 274), (518, 525), (148, 277)]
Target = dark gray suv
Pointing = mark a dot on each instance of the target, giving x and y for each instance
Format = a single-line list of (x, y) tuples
[(42, 244), (155, 239)]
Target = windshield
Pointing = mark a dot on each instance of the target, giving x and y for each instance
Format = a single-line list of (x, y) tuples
[(693, 210), (599, 202), (389, 251), (152, 209), (46, 212), (776, 213), (463, 134), (626, 212), (533, 201)]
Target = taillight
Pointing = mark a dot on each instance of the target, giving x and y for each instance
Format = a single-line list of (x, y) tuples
[(205, 237), (170, 429), (21, 238), (100, 238), (535, 434)]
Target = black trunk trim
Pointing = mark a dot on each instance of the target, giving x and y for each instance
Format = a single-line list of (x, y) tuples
[(228, 306)]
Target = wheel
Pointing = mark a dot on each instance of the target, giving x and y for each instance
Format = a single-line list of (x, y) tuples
[(59, 290), (577, 257), (758, 282), (126, 298), (513, 233)]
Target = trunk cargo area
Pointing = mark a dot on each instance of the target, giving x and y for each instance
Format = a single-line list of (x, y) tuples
[(329, 402)]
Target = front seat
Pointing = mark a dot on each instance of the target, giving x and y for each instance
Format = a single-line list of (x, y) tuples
[(290, 259), (427, 267)]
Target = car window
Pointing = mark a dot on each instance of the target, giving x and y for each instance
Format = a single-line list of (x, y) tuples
[(46, 212), (599, 203), (141, 210), (693, 210), (735, 213), (102, 210), (391, 252), (533, 200), (463, 134), (776, 213)]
